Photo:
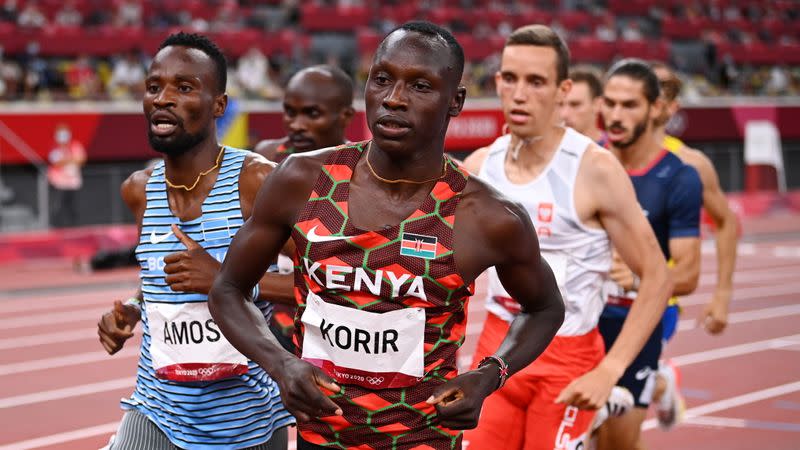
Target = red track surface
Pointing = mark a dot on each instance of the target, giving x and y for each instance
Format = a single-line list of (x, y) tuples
[(59, 390)]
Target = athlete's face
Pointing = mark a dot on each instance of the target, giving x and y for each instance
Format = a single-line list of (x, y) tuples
[(411, 93), (626, 112), (668, 107), (579, 110), (528, 88), (181, 100), (314, 113)]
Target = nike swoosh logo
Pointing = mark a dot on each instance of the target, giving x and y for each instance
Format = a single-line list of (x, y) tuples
[(154, 239), (643, 373), (312, 236)]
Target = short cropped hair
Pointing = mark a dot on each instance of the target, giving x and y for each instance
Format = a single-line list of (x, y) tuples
[(543, 36), (590, 76), (671, 87), (435, 31), (205, 45)]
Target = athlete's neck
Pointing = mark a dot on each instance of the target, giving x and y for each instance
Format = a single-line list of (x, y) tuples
[(641, 153), (404, 171), (535, 152), (659, 132), (594, 133), (184, 168)]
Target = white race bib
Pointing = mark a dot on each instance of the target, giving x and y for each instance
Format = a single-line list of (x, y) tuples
[(187, 345), (372, 350)]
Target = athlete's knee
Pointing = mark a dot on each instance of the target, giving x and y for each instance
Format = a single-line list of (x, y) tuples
[(621, 433)]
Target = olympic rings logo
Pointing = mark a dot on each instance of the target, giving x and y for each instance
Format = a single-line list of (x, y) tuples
[(374, 380), (206, 371)]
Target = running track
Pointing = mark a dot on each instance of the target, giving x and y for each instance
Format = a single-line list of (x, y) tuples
[(59, 390)]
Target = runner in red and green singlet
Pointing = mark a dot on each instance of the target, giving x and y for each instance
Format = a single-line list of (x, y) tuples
[(390, 236), (317, 107)]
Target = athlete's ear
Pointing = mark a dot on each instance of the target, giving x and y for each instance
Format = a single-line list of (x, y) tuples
[(657, 108), (457, 102), (563, 89), (346, 115), (220, 104)]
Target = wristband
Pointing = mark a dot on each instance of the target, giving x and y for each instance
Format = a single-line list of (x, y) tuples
[(136, 302), (501, 363)]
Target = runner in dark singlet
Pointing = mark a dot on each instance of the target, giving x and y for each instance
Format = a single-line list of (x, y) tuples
[(317, 107), (390, 235)]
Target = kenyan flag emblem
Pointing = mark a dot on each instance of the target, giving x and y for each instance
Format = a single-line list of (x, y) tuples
[(418, 245)]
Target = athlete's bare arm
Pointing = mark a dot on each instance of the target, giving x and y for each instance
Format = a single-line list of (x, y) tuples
[(620, 215), (715, 314), (254, 247), (493, 231), (269, 147), (116, 326), (474, 161)]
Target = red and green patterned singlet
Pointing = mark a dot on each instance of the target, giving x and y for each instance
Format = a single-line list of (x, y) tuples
[(383, 312)]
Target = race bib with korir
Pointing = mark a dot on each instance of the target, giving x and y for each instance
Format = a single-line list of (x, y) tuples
[(187, 345), (372, 350)]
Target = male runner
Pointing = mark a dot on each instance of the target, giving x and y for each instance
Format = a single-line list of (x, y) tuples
[(580, 109), (317, 107), (670, 193), (714, 316), (390, 237), (580, 200), (193, 389)]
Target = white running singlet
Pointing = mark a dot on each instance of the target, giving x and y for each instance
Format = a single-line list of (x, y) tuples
[(579, 256)]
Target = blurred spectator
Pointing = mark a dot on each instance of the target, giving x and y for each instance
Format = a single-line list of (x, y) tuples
[(81, 78), (129, 14), (31, 16), (9, 11), (127, 77), (10, 77), (35, 71), (251, 72), (64, 174), (631, 31), (228, 18), (69, 16), (607, 30), (778, 82)]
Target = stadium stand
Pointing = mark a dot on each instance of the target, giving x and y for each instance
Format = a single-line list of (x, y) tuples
[(720, 47)]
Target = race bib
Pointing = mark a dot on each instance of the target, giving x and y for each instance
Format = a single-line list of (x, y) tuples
[(372, 350), (558, 264), (187, 345)]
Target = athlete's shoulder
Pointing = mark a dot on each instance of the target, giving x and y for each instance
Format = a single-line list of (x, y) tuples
[(599, 164), (474, 161), (673, 144), (269, 147), (133, 190)]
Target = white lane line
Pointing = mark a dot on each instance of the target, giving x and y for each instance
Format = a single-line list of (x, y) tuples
[(736, 350), (43, 302), (748, 316), (92, 315), (751, 293), (733, 402), (72, 391), (728, 422), (48, 338), (59, 438), (65, 361)]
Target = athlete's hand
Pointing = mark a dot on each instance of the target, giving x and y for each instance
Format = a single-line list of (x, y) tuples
[(620, 273), (116, 326), (191, 270), (591, 390), (714, 316), (304, 390), (459, 401)]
